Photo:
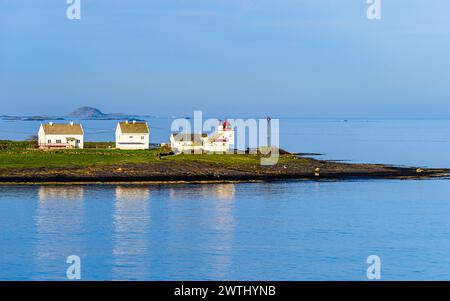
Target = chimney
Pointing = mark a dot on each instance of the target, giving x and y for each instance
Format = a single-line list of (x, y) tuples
[(134, 121), (126, 121), (71, 123), (51, 123)]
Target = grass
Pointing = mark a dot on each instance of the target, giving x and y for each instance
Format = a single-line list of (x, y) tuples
[(25, 155), (63, 158), (227, 159), (15, 145), (99, 144)]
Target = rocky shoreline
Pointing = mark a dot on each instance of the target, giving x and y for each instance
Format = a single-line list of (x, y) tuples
[(194, 172)]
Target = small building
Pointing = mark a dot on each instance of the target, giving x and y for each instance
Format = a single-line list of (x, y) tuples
[(219, 142), (132, 135), (187, 143), (53, 135), (222, 140)]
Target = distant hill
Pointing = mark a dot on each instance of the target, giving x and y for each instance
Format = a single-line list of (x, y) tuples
[(87, 112)]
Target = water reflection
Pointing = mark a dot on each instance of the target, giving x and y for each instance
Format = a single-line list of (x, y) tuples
[(223, 226), (61, 193), (208, 210), (220, 191), (59, 229), (131, 218), (216, 191), (296, 231)]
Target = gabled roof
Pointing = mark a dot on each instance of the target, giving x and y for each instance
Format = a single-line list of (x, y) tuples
[(134, 127), (62, 129), (218, 137), (189, 137)]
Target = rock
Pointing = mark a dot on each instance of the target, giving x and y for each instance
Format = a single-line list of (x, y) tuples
[(317, 171)]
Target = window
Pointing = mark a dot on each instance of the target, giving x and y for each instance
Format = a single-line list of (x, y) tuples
[(142, 137), (58, 140), (49, 141), (131, 137), (78, 141)]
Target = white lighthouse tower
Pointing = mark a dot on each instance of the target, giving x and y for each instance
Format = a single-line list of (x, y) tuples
[(227, 132)]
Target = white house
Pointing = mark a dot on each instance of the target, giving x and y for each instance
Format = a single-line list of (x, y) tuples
[(132, 135), (54, 135), (185, 142), (219, 142)]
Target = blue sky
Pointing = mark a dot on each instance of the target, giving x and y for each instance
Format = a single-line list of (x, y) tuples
[(235, 58)]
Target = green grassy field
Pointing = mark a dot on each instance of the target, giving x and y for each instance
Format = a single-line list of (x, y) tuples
[(24, 155), (230, 159)]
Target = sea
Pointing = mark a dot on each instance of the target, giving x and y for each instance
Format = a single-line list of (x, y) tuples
[(288, 230)]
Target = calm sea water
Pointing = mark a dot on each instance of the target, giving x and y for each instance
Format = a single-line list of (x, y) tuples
[(298, 230), (284, 231)]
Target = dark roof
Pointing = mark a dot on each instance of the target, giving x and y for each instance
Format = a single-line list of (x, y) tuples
[(134, 127)]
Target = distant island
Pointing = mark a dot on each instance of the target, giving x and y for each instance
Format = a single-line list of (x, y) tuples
[(82, 113), (87, 113)]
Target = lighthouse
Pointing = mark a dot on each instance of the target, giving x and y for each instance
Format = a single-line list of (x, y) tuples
[(227, 132)]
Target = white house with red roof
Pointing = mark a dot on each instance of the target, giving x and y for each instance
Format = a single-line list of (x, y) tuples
[(222, 140)]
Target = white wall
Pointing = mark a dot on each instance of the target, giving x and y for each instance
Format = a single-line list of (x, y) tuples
[(41, 135), (132, 141), (43, 139), (230, 136), (181, 146), (217, 147), (187, 146)]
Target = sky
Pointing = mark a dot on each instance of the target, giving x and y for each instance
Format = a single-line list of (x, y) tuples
[(233, 58)]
